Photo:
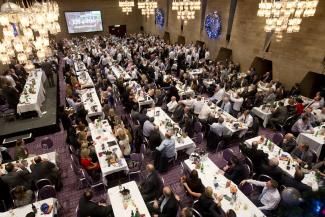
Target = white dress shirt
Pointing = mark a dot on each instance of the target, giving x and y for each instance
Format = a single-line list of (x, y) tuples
[(197, 106), (226, 106), (237, 103), (205, 112), (219, 129), (218, 95), (171, 106), (270, 197), (248, 120)]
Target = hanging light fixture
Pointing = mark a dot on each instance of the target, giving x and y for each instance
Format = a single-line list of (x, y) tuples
[(21, 25), (147, 7), (186, 9), (126, 5), (285, 15)]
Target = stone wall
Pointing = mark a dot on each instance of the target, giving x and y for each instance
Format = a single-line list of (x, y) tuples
[(292, 58)]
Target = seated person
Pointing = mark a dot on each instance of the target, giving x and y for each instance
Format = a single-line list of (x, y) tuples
[(193, 184), (296, 181), (257, 156), (23, 196), (89, 208), (154, 139), (124, 142), (171, 106), (21, 151), (320, 115), (279, 115), (87, 162), (44, 169), (166, 150), (302, 125), (303, 155), (206, 202), (288, 143), (15, 177), (167, 205), (151, 187), (272, 169), (320, 168), (148, 127), (270, 196), (235, 170)]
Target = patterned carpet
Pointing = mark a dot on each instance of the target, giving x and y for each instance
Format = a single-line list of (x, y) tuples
[(70, 194)]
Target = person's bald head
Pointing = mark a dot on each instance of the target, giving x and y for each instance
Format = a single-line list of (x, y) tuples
[(273, 162), (150, 168), (156, 128), (168, 134), (225, 99), (173, 98), (167, 191), (289, 136)]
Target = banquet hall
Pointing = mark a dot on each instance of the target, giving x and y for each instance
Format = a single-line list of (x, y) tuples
[(162, 108)]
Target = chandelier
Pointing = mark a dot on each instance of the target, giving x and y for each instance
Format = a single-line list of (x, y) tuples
[(147, 7), (126, 5), (26, 30), (285, 15), (186, 9)]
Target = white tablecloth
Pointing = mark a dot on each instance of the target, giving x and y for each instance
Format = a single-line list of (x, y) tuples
[(185, 143), (51, 156), (265, 113), (136, 201), (119, 71), (104, 140), (195, 72), (33, 101), (24, 210), (229, 120), (84, 79), (277, 152), (243, 206), (315, 142), (79, 65), (91, 102), (141, 97), (184, 90)]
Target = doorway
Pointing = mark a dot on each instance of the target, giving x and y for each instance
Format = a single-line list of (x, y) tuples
[(117, 30)]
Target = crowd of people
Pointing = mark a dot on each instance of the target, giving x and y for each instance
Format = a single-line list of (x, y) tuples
[(159, 68)]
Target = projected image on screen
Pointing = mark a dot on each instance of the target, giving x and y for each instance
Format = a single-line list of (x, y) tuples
[(87, 21)]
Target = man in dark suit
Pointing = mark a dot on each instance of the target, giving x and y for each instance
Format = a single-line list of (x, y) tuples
[(288, 143), (88, 208), (152, 186), (272, 169), (154, 138), (48, 69), (44, 169), (167, 206), (11, 95), (15, 177), (235, 170), (279, 115), (258, 157), (295, 182)]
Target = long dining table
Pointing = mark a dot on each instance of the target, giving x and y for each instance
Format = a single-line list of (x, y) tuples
[(161, 119), (243, 206), (286, 162)]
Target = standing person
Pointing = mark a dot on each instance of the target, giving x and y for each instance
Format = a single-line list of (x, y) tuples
[(165, 151), (48, 69), (151, 187)]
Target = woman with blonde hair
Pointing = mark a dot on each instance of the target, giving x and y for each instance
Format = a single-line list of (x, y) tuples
[(124, 142), (86, 160)]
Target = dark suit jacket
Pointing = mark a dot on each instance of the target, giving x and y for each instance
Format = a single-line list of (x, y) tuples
[(289, 146), (274, 172), (170, 209), (204, 204), (16, 178), (281, 114), (236, 174), (258, 157), (291, 182), (44, 170), (152, 187), (11, 95), (154, 140), (89, 208)]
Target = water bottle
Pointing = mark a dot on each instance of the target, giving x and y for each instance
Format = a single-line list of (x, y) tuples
[(215, 182)]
